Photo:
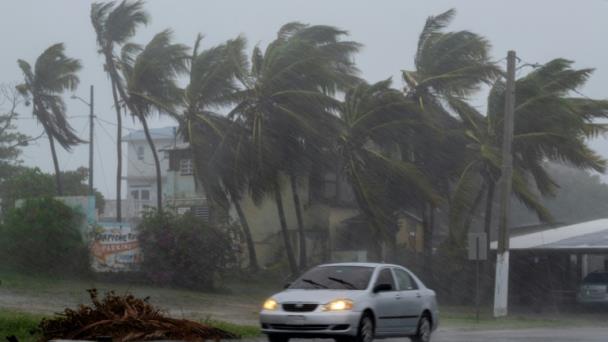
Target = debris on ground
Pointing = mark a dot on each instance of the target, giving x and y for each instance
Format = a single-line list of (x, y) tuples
[(125, 318)]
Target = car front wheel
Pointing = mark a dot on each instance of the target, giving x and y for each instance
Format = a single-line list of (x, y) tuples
[(423, 333), (366, 329)]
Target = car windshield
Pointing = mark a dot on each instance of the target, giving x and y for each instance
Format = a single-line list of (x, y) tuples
[(334, 278), (596, 278)]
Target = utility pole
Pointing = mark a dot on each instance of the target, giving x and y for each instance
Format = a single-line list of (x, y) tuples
[(91, 105), (91, 127), (501, 286)]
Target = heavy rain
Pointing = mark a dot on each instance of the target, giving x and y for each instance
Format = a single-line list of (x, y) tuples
[(284, 171)]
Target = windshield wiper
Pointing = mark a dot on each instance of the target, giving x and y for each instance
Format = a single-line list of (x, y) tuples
[(312, 282), (343, 282)]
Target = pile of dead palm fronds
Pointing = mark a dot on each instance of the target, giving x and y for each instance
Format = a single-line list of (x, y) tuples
[(124, 318)]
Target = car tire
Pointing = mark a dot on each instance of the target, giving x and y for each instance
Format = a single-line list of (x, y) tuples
[(365, 331), (423, 332), (277, 338)]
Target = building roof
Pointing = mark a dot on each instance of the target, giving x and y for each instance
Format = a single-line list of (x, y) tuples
[(163, 133), (591, 235)]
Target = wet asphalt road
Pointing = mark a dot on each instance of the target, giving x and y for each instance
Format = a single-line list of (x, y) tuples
[(524, 335), (519, 335)]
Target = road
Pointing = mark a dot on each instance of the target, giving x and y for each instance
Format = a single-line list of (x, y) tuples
[(523, 335), (517, 335)]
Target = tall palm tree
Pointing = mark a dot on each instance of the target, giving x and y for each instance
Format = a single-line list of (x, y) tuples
[(215, 140), (114, 25), (550, 125), (448, 64), (284, 101), (373, 118), (150, 74), (43, 85)]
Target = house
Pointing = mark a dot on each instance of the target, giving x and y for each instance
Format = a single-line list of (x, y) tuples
[(141, 174), (334, 227)]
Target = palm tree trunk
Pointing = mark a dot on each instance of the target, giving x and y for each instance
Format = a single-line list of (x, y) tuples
[(284, 231), (301, 233), (58, 182), (253, 258), (118, 154), (159, 185)]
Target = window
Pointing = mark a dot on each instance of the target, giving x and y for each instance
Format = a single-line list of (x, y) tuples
[(145, 194), (135, 194), (140, 153), (386, 277), (165, 154), (335, 278), (185, 167), (405, 281), (182, 210)]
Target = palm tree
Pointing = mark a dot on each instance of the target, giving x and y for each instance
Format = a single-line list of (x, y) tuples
[(216, 141), (53, 73), (114, 25), (284, 102), (550, 125), (373, 118), (150, 74), (447, 65)]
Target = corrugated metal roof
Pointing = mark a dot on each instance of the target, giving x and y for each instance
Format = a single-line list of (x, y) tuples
[(585, 235), (156, 133)]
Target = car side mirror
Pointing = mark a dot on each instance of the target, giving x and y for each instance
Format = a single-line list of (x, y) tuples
[(383, 288)]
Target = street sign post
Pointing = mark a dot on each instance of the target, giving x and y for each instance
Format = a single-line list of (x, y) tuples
[(478, 250)]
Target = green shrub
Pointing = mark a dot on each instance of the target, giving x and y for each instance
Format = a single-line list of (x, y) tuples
[(182, 250), (43, 236)]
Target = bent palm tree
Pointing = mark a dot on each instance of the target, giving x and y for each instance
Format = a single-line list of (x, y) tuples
[(448, 65), (550, 125), (53, 74), (114, 25), (150, 75), (373, 118), (284, 103), (215, 140)]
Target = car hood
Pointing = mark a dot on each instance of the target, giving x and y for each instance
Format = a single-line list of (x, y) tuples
[(316, 296)]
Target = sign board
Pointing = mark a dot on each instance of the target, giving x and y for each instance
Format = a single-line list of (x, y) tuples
[(478, 246), (115, 248)]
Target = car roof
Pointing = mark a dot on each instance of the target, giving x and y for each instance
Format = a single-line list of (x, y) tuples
[(360, 264)]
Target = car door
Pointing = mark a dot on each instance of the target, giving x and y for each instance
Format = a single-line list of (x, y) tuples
[(386, 304), (410, 298)]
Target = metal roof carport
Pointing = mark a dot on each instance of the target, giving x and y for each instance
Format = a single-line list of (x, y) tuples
[(548, 265)]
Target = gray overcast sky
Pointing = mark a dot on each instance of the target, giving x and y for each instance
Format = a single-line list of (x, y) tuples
[(537, 30)]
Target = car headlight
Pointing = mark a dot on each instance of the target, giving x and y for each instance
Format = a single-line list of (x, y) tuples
[(338, 305), (270, 304)]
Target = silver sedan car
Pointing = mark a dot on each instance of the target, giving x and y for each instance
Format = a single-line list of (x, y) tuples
[(352, 302)]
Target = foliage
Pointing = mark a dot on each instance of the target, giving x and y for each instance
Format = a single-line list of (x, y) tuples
[(24, 326), (43, 235), (124, 318), (25, 183), (11, 140), (581, 196), (182, 250), (52, 74)]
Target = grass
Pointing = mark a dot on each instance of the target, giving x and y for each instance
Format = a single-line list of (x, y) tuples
[(465, 318), (19, 324), (245, 331)]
